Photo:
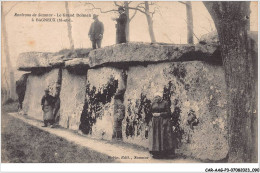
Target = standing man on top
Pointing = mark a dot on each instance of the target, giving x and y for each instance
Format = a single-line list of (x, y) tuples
[(121, 26), (96, 32)]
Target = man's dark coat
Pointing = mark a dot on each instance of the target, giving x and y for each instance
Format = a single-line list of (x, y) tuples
[(120, 28), (95, 30), (50, 100)]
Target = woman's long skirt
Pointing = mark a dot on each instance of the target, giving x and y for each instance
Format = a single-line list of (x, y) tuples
[(48, 113), (160, 135)]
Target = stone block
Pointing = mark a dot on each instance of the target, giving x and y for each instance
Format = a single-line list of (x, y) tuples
[(36, 84), (72, 98), (193, 89), (97, 118)]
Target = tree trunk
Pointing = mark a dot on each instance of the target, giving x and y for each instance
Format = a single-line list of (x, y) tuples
[(128, 21), (231, 20), (189, 22), (7, 56), (69, 27), (6, 89), (149, 21)]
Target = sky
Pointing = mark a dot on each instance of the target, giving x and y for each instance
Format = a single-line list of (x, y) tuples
[(169, 25)]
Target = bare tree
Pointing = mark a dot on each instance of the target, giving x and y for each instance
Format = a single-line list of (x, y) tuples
[(149, 21), (240, 64), (189, 21), (143, 7), (69, 26), (6, 93), (7, 53), (127, 29), (126, 6)]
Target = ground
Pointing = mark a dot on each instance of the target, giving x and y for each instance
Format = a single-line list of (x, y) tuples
[(25, 141), (20, 139)]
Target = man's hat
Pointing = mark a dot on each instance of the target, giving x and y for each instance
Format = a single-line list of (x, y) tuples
[(121, 8), (95, 16)]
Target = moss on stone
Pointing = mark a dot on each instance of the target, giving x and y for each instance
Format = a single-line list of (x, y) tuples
[(94, 103), (143, 115)]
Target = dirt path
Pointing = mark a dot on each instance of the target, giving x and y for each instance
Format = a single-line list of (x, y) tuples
[(113, 152)]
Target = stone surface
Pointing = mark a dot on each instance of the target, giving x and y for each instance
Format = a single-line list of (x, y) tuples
[(36, 60), (107, 88), (137, 52), (97, 119), (208, 44), (77, 62), (29, 60), (121, 54), (36, 84), (72, 98), (194, 89)]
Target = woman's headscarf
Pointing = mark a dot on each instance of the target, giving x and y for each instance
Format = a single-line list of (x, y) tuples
[(157, 97)]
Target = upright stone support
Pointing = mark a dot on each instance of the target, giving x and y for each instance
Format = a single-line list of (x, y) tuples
[(36, 84), (72, 98)]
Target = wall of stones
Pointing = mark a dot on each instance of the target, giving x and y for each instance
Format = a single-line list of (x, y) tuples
[(105, 98)]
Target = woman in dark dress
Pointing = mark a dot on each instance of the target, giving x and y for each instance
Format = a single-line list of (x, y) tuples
[(121, 26), (160, 135)]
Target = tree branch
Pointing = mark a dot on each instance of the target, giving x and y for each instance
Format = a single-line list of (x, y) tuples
[(151, 3), (142, 3), (140, 6), (93, 7), (155, 10), (107, 11), (182, 2), (116, 4), (133, 16), (193, 31), (136, 8), (214, 10)]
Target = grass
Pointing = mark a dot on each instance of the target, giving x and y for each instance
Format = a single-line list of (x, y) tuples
[(22, 143), (10, 106)]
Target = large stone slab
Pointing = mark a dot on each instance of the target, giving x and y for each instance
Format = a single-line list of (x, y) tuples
[(36, 84), (77, 65), (77, 62), (120, 54), (97, 118), (194, 89), (30, 61), (72, 97), (137, 52)]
